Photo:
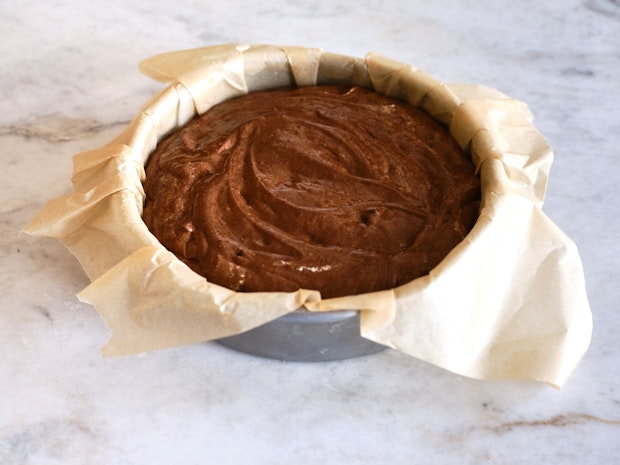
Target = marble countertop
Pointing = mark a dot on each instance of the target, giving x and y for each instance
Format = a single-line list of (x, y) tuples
[(70, 83)]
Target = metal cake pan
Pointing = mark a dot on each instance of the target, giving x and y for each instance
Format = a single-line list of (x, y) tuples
[(304, 336)]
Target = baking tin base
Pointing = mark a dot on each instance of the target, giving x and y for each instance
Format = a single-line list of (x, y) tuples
[(304, 336)]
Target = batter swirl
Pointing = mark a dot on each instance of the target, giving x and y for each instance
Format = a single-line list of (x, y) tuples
[(342, 190)]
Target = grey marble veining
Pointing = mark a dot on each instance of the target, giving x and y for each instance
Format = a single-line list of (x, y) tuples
[(70, 83)]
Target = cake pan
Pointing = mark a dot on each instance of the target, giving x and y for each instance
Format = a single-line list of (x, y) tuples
[(304, 336)]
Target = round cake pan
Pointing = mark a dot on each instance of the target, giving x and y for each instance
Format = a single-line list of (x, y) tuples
[(304, 336)]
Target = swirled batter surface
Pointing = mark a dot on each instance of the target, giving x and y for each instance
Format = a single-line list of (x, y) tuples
[(342, 190)]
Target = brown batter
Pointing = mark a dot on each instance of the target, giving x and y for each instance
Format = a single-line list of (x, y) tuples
[(340, 190)]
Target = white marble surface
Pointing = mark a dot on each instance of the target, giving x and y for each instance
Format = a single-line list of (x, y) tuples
[(69, 82)]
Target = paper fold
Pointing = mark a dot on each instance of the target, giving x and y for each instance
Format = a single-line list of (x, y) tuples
[(509, 302)]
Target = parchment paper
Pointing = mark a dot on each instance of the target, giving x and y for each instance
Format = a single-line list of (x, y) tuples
[(509, 302)]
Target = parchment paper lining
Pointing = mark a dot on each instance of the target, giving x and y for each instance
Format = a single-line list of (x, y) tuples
[(509, 302)]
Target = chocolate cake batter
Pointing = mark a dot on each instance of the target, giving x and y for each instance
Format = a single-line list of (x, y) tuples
[(342, 190)]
